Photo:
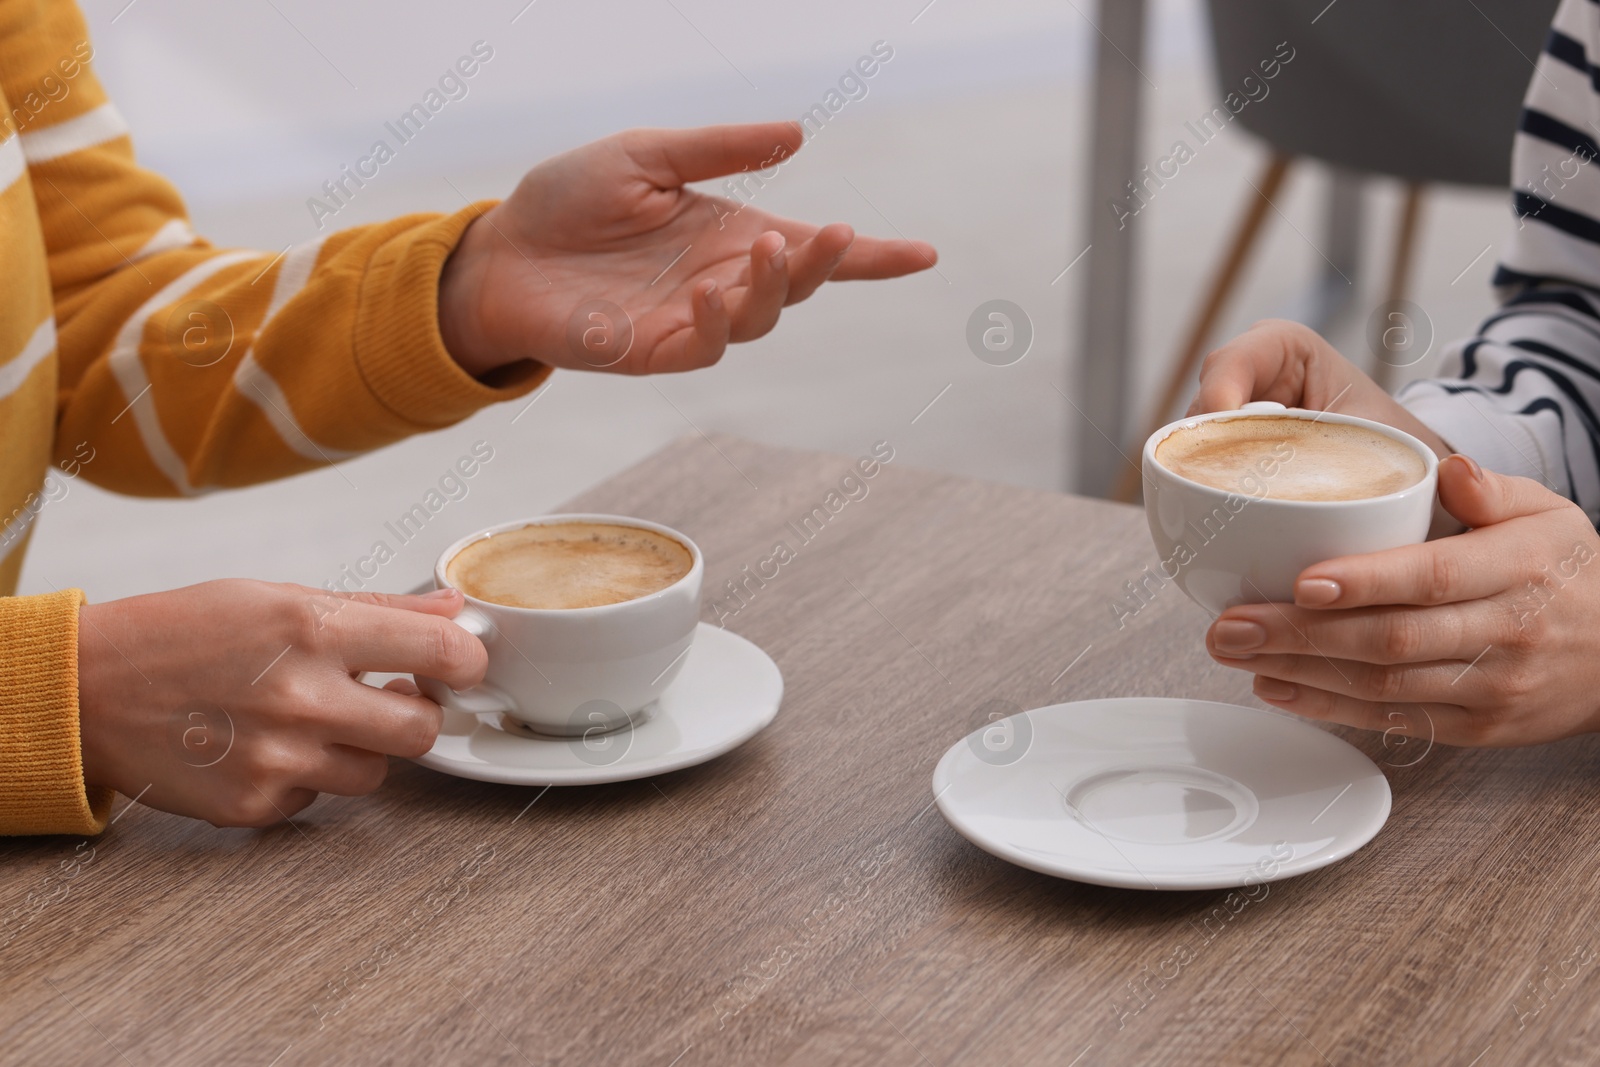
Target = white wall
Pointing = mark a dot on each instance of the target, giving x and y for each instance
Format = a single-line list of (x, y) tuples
[(234, 103)]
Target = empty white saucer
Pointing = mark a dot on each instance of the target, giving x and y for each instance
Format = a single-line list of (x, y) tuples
[(1161, 794), (726, 693)]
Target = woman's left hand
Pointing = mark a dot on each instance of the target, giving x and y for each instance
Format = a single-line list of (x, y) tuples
[(1490, 637)]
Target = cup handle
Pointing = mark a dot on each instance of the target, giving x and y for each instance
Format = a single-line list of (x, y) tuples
[(1263, 405), (480, 699)]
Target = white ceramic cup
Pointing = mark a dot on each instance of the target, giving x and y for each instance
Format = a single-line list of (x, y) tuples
[(1246, 547), (569, 672)]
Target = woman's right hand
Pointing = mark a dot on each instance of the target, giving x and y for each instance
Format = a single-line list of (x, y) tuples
[(1292, 364), (237, 702)]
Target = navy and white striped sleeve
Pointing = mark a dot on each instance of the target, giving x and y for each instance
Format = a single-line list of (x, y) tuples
[(1523, 395)]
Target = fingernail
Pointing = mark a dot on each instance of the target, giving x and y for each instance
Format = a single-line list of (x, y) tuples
[(439, 594), (1472, 466), (778, 257), (1238, 635), (714, 297), (1272, 689), (1316, 592)]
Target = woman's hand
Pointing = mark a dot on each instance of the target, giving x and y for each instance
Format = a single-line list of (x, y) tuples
[(236, 701), (1292, 364), (611, 225), (1485, 638)]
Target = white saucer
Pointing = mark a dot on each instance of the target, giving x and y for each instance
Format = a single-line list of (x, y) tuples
[(726, 693), (1161, 794)]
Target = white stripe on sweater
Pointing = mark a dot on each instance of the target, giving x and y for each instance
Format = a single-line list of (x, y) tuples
[(174, 233), (1557, 174), (129, 371), (39, 346), (1563, 89), (64, 138), (12, 161), (253, 382), (1577, 23)]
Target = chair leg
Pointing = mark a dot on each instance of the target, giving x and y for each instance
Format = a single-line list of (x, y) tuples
[(1400, 269), (1211, 306)]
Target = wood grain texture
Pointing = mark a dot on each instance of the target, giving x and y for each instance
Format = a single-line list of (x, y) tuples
[(797, 901)]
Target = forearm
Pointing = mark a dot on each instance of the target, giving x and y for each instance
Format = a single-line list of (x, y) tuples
[(245, 367)]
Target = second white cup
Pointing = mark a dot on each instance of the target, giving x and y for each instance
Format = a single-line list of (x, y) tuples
[(1224, 548)]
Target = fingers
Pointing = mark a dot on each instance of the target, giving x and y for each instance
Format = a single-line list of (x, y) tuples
[(1480, 563), (1444, 682), (670, 158), (253, 807), (1266, 362), (372, 638), (442, 602), (870, 258), (1449, 570), (336, 769), (867, 258), (1372, 635), (346, 754), (697, 345), (290, 803), (1482, 498), (348, 772), (777, 274), (384, 721), (1292, 365), (753, 310), (1282, 361), (813, 262), (1449, 724)]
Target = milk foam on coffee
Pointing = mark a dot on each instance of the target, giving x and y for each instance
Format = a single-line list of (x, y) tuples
[(568, 565), (1291, 459)]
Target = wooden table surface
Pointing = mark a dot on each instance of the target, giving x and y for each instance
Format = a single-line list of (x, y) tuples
[(798, 900)]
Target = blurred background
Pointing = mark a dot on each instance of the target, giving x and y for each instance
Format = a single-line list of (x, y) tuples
[(975, 136)]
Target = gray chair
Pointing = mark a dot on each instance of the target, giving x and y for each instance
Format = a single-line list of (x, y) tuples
[(1420, 90)]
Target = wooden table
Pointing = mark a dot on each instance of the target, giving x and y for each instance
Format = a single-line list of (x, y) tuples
[(799, 901)]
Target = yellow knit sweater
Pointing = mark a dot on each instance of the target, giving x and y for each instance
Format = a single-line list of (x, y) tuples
[(135, 355)]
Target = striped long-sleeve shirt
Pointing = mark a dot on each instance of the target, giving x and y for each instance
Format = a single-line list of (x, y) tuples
[(134, 354), (1523, 395)]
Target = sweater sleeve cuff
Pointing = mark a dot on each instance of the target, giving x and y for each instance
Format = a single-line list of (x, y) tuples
[(398, 347), (41, 759), (1500, 443)]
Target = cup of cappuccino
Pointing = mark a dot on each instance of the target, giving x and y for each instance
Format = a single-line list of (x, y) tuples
[(587, 618), (1240, 502)]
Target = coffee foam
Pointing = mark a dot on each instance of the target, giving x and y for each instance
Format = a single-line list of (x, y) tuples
[(568, 565), (1291, 459)]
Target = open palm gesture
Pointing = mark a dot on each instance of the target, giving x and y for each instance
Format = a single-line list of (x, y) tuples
[(601, 259)]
